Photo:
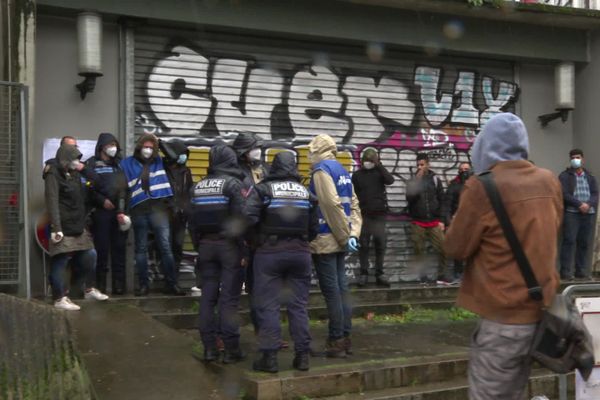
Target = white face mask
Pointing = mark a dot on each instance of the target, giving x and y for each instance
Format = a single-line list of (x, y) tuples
[(368, 165), (111, 151), (254, 154), (147, 152), (74, 164)]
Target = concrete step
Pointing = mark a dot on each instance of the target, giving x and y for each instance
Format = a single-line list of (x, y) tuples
[(540, 383), (158, 303), (189, 319)]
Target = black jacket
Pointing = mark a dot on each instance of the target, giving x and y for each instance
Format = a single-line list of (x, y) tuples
[(369, 186), (112, 183), (180, 176), (247, 169), (425, 197), (282, 170), (451, 198), (568, 180), (66, 193)]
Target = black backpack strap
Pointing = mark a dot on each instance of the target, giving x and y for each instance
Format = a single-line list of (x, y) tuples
[(535, 291)]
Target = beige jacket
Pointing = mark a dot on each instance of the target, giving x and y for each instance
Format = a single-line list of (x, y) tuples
[(323, 147)]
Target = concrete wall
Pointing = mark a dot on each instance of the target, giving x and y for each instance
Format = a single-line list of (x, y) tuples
[(549, 146), (59, 110)]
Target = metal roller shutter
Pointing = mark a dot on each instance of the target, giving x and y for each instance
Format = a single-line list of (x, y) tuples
[(205, 87)]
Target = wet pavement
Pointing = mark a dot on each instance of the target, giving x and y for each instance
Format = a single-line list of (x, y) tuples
[(129, 355)]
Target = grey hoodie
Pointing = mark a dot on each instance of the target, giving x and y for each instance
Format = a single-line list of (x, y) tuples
[(503, 138)]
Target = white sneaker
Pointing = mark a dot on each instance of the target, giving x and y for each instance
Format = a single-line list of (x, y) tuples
[(196, 291), (95, 294), (64, 303)]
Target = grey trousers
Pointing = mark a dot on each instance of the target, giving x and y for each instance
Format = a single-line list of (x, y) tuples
[(498, 364)]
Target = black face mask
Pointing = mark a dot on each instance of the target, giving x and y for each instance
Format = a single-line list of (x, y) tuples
[(465, 175)]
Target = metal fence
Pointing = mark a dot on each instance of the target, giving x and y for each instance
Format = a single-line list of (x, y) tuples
[(14, 236)]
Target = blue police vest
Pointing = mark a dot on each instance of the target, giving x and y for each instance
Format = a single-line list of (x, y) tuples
[(159, 185), (287, 211), (210, 205), (343, 185)]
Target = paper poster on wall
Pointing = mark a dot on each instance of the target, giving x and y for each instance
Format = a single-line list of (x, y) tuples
[(589, 307), (86, 147)]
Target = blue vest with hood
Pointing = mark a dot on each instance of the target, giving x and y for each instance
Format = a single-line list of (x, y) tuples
[(159, 186), (343, 185)]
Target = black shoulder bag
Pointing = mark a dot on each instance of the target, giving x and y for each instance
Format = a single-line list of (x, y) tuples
[(561, 342)]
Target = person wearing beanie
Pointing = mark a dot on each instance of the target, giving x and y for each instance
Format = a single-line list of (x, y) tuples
[(425, 195), (369, 184), (150, 199), (493, 285), (109, 213), (580, 194), (339, 229)]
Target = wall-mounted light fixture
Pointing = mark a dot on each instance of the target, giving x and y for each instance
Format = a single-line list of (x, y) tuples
[(89, 46), (564, 93)]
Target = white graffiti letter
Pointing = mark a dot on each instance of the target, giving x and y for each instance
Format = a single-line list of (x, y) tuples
[(436, 112), (466, 113), (178, 82), (367, 101), (506, 94), (314, 103)]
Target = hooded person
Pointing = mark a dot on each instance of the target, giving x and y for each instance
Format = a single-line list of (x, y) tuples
[(66, 202), (493, 285), (339, 228), (109, 213), (217, 226), (369, 184), (284, 214), (180, 177), (249, 155), (150, 202)]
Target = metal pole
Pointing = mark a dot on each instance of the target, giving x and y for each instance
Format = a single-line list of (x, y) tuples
[(24, 98), (567, 293)]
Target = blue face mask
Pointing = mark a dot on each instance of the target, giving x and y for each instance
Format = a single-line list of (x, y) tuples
[(576, 162), (182, 159)]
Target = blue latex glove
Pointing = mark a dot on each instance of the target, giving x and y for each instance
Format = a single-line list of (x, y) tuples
[(352, 244)]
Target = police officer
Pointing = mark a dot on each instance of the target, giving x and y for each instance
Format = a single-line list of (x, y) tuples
[(109, 212), (218, 226), (285, 213)]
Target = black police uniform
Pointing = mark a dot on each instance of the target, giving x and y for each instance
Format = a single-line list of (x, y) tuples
[(217, 224), (285, 213)]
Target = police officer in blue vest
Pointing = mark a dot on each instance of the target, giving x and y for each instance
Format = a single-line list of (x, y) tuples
[(218, 227), (285, 214), (339, 228), (150, 202)]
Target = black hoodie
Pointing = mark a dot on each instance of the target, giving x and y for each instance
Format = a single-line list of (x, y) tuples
[(180, 176), (283, 169), (111, 178)]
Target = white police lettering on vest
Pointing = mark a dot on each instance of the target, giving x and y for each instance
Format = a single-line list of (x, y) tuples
[(289, 190), (209, 186), (344, 180)]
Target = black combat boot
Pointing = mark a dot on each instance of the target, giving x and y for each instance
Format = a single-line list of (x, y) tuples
[(301, 361), (233, 355), (267, 362), (348, 345), (335, 348)]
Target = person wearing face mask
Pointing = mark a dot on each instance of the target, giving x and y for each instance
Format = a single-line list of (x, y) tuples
[(109, 213), (150, 199), (339, 228), (369, 184), (175, 158), (450, 205), (580, 196), (65, 196)]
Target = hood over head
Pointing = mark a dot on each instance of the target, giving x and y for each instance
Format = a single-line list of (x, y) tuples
[(503, 138), (146, 137), (67, 153), (369, 154), (322, 147), (173, 148), (222, 159), (284, 167), (244, 142), (104, 139)]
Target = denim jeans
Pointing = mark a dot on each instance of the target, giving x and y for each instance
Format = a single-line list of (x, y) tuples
[(373, 227), (331, 271), (158, 223), (578, 231), (84, 267)]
